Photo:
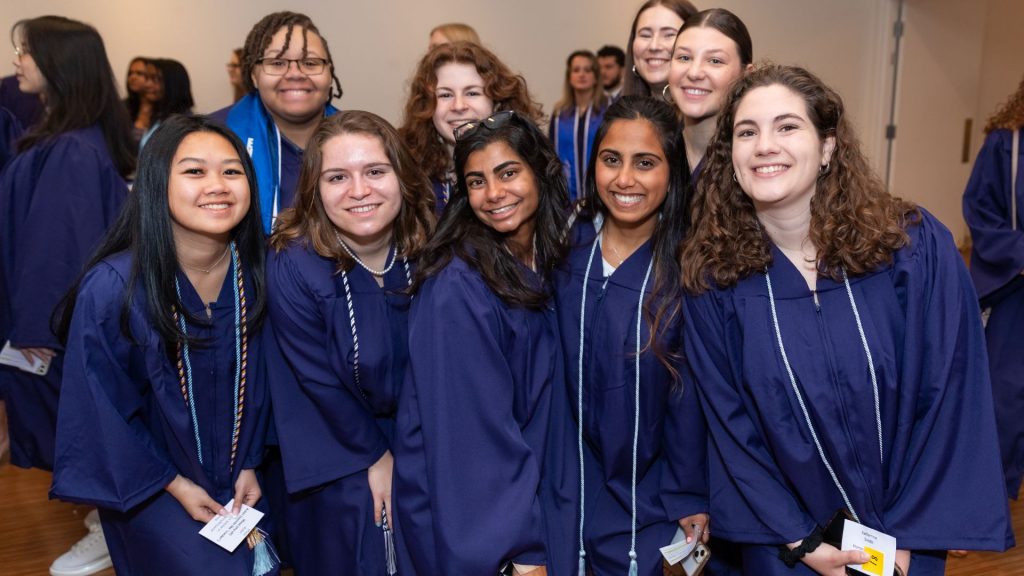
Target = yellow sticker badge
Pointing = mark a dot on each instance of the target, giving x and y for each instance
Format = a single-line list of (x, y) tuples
[(875, 564)]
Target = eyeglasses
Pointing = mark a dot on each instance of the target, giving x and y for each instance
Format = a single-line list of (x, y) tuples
[(232, 65), (492, 122), (279, 66), (20, 52)]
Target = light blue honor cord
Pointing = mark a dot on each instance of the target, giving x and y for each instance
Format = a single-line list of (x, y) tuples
[(633, 568), (800, 398)]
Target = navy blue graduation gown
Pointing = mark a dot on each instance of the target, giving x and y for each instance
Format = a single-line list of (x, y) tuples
[(442, 191), (939, 487), (476, 483), (125, 430), (10, 131), (997, 260), (57, 200), (332, 429), (672, 444), (565, 136)]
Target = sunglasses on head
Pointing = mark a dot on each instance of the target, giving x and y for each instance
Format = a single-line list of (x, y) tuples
[(492, 122)]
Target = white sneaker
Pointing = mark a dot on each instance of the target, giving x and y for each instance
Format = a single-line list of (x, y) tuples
[(92, 519), (87, 556)]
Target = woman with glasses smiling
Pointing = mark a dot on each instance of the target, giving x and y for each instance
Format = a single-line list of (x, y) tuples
[(288, 71), (484, 399)]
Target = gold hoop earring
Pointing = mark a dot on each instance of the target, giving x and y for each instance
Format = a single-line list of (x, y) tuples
[(666, 96), (634, 71), (824, 169)]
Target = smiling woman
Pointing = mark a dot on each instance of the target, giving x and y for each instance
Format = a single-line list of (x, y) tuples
[(798, 250), (483, 402), (340, 264), (289, 73), (650, 44), (456, 83), (164, 397)]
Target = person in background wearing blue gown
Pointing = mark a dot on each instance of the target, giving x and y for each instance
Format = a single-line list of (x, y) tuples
[(337, 275), (837, 346), (290, 77), (623, 276), (482, 479), (164, 411), (170, 92), (997, 268), (455, 83), (58, 196), (576, 116), (712, 51)]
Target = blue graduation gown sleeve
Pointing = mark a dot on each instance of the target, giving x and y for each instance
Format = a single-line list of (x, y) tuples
[(777, 516), (945, 470), (326, 431), (482, 472), (997, 252), (73, 200), (684, 484), (105, 454)]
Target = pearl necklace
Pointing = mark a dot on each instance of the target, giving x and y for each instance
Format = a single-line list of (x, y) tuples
[(352, 255), (212, 266)]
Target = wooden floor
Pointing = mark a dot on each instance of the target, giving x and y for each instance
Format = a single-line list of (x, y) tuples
[(34, 531)]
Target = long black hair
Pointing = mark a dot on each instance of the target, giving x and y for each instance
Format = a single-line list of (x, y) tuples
[(461, 233), (662, 307), (177, 90), (80, 86), (134, 100), (144, 228)]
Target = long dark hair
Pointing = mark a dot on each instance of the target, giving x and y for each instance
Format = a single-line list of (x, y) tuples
[(134, 100), (80, 86), (460, 233), (633, 84), (144, 228), (663, 305), (177, 90), (729, 25)]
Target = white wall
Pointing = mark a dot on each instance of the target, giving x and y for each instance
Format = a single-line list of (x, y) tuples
[(376, 44), (960, 61)]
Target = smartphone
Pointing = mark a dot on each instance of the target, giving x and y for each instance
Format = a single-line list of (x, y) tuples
[(698, 558)]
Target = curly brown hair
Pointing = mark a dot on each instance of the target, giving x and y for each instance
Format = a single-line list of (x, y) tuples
[(855, 224), (263, 32), (1010, 115), (308, 220), (506, 89)]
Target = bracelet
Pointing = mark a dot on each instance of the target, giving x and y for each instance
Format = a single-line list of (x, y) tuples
[(808, 545)]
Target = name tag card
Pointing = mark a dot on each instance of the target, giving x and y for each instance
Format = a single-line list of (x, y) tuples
[(12, 356), (679, 549), (880, 546), (229, 531)]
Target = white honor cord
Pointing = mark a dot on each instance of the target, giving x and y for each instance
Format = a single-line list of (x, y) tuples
[(800, 398), (579, 403), (636, 408), (871, 366)]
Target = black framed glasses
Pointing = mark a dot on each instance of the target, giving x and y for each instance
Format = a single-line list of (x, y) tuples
[(279, 66), (492, 122)]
